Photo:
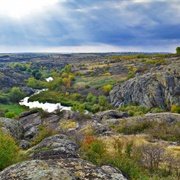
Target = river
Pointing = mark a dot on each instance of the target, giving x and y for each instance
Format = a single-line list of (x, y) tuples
[(49, 107)]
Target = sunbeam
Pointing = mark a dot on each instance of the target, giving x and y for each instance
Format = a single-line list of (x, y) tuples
[(18, 9)]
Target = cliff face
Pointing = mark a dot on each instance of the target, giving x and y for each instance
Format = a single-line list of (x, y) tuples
[(160, 88)]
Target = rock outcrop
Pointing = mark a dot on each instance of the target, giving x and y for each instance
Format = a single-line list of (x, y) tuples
[(30, 122), (53, 147), (55, 157), (166, 117), (12, 77), (111, 114), (60, 169), (12, 126), (159, 89)]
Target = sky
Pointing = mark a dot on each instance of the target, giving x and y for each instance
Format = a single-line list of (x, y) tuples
[(89, 25)]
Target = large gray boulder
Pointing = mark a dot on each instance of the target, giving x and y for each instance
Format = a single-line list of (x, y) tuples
[(160, 89), (13, 127), (61, 169)]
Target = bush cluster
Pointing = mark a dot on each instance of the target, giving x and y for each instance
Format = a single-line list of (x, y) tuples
[(9, 151), (135, 110), (158, 129), (145, 161)]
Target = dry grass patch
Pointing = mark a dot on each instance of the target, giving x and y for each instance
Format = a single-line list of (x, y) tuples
[(110, 140), (67, 124), (87, 129)]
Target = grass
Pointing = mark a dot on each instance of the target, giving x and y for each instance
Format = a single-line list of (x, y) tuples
[(17, 109), (98, 81), (154, 61), (109, 140), (156, 129), (87, 130)]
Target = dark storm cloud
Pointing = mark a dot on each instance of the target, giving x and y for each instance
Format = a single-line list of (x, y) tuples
[(86, 22)]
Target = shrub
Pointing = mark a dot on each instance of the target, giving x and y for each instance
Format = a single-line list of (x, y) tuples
[(135, 110), (89, 97), (16, 94), (130, 112), (155, 61), (78, 107), (134, 127), (178, 50), (175, 109), (125, 159), (43, 133), (8, 150), (165, 131), (107, 88), (102, 100), (4, 99), (36, 84), (151, 156), (10, 114), (93, 150)]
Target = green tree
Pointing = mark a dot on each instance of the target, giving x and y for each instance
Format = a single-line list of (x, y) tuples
[(16, 95), (178, 50), (37, 75)]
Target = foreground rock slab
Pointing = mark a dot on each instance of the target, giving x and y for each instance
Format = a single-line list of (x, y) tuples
[(61, 169)]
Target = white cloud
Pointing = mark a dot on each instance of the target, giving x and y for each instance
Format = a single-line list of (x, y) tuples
[(145, 1), (21, 8)]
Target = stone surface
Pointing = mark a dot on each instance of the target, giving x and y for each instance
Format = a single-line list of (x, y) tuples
[(167, 117), (159, 89), (53, 147), (27, 90), (30, 121), (160, 117), (111, 114), (24, 144), (12, 126), (52, 122), (61, 169)]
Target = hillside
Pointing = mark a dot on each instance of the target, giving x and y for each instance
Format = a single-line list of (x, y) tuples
[(124, 121)]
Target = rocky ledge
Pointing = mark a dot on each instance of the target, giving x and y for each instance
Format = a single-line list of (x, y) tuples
[(155, 89)]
